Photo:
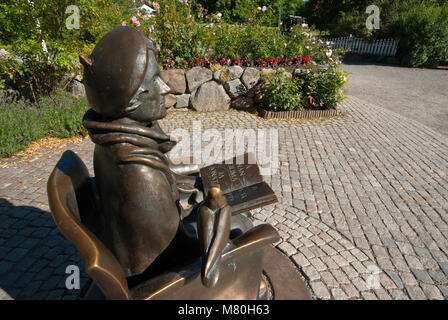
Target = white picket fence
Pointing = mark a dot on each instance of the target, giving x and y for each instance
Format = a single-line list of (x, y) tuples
[(381, 47)]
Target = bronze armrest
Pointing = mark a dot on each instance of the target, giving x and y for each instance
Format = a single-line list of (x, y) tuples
[(256, 237)]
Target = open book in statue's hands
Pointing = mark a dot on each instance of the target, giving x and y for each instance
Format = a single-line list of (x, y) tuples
[(241, 184)]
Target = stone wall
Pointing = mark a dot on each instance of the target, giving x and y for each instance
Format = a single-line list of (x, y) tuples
[(203, 90)]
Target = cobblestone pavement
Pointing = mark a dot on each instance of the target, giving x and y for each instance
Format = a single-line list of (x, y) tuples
[(362, 211)]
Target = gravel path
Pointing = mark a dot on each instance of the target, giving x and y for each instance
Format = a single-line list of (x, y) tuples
[(420, 94)]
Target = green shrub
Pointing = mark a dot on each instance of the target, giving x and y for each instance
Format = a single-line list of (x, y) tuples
[(41, 70), (178, 35), (323, 89), (423, 33), (280, 92), (312, 89), (22, 121)]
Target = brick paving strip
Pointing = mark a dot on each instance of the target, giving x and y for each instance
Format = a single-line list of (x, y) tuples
[(362, 197)]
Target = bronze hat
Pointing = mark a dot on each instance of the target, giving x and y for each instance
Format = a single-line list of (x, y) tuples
[(115, 70)]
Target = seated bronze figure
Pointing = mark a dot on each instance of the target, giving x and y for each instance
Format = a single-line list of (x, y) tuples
[(144, 227)]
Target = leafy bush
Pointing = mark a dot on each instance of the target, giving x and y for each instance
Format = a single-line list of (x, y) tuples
[(280, 93), (312, 89), (421, 26), (23, 121), (179, 37), (323, 89), (26, 24), (423, 33)]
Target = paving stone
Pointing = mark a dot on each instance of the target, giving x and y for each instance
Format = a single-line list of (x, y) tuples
[(301, 260), (415, 293), (422, 276), (5, 295), (382, 294), (53, 282), (320, 290), (444, 290), (330, 263), (398, 295), (328, 279), (395, 278), (16, 254), (328, 250), (5, 266), (25, 264), (44, 274), (350, 272), (367, 295), (340, 261), (432, 292), (351, 291), (24, 280), (338, 294), (340, 276), (9, 279), (287, 248), (438, 276), (360, 256), (348, 256), (318, 264), (311, 273), (55, 295)]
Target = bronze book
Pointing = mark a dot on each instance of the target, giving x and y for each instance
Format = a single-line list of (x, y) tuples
[(242, 185)]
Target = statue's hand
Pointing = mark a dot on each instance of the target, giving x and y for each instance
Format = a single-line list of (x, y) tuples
[(213, 232)]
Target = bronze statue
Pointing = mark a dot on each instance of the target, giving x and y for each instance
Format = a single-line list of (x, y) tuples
[(142, 224)]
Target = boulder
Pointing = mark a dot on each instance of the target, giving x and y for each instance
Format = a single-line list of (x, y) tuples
[(217, 75), (243, 102), (170, 100), (76, 87), (210, 96), (183, 100), (288, 74), (197, 76), (175, 79), (266, 70), (250, 77), (234, 72), (323, 67), (258, 94), (235, 88), (299, 71)]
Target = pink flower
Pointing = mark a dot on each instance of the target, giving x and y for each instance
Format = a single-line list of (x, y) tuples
[(139, 13), (310, 99), (123, 23), (135, 21)]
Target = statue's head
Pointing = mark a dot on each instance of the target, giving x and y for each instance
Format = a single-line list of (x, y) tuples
[(122, 78)]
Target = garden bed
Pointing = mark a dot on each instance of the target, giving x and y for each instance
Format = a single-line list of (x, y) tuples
[(298, 114)]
